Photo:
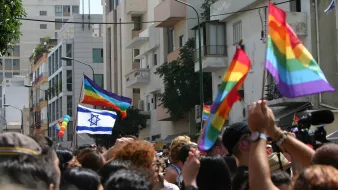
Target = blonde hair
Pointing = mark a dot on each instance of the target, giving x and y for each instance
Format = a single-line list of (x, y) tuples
[(175, 146)]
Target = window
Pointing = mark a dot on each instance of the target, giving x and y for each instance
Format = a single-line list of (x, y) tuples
[(154, 137), (69, 51), (70, 105), (171, 40), (16, 64), (66, 10), (111, 5), (295, 6), (43, 13), (181, 41), (16, 73), (69, 80), (75, 9), (97, 55), (237, 32), (43, 26), (57, 109), (49, 66), (137, 22), (56, 35), (8, 75), (16, 51), (155, 100), (8, 64), (155, 59), (1, 79), (136, 90), (58, 10), (98, 78), (58, 24)]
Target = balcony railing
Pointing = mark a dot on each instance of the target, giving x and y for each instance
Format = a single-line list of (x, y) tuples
[(271, 92), (41, 76), (137, 78), (212, 50)]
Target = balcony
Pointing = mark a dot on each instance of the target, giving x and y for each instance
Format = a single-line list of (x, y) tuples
[(276, 99), (213, 58), (43, 102), (224, 6), (169, 12), (138, 38), (137, 78), (42, 78), (135, 7), (173, 55), (298, 22)]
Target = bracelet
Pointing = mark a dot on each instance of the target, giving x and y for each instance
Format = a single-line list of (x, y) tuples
[(282, 139)]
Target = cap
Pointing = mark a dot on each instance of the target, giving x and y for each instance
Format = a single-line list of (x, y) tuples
[(232, 134), (18, 144)]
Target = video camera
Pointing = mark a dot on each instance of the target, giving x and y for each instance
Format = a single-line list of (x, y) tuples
[(308, 119)]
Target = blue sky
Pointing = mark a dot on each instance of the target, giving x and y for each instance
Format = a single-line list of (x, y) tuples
[(95, 6)]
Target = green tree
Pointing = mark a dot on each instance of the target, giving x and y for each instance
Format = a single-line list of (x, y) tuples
[(10, 14), (131, 125), (182, 83), (206, 9)]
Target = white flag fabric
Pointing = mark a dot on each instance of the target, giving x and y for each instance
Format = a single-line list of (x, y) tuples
[(93, 121)]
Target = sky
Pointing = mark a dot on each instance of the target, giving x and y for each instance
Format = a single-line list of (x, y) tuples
[(95, 6)]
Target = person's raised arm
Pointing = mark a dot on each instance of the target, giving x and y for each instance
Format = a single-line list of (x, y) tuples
[(259, 170)]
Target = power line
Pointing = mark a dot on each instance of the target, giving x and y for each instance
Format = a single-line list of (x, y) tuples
[(70, 22)]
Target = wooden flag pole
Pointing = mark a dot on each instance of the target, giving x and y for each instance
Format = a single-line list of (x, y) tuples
[(265, 41)]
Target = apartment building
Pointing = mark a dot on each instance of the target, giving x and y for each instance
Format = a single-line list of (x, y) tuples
[(82, 43), (134, 51), (16, 100), (248, 26)]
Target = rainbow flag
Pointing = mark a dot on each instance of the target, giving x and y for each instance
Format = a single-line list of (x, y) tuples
[(57, 125), (226, 97), (97, 96), (206, 112), (289, 62)]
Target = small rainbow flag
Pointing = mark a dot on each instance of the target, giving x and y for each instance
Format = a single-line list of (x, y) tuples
[(57, 125), (97, 96), (226, 97), (289, 62), (206, 112)]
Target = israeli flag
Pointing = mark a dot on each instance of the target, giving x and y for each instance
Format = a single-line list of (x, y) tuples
[(93, 121), (330, 7)]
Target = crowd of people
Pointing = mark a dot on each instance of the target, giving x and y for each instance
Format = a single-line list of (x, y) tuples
[(242, 158)]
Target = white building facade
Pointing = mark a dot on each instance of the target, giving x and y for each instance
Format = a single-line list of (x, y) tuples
[(83, 43), (16, 97), (248, 26)]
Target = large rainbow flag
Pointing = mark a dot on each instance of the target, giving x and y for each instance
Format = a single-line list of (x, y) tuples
[(226, 97), (289, 62), (97, 96)]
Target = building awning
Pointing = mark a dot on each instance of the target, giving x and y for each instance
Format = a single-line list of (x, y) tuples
[(284, 114), (169, 138)]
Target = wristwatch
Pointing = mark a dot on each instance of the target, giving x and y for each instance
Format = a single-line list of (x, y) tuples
[(255, 136)]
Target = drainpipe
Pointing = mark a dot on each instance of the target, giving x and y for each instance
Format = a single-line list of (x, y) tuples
[(318, 56)]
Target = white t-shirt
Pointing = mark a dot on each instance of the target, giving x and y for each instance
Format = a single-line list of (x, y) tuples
[(170, 186)]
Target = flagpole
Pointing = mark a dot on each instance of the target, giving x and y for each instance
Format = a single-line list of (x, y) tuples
[(266, 46), (75, 123)]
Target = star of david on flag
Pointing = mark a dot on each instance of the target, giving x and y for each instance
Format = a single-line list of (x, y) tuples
[(93, 121)]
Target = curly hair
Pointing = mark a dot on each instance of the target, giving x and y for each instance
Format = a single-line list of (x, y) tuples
[(176, 145), (139, 153)]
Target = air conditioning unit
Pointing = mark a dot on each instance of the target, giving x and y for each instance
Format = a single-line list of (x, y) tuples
[(140, 105), (197, 113)]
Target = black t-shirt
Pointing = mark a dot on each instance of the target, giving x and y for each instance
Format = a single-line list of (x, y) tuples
[(241, 178)]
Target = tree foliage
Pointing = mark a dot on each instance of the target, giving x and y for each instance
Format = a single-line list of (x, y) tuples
[(131, 125), (206, 9), (182, 83), (10, 14), (42, 47)]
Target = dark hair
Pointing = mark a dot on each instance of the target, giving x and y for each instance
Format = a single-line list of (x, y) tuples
[(280, 178), (183, 152), (91, 159), (326, 155), (64, 156), (213, 174), (112, 167), (27, 171), (129, 180), (81, 178), (231, 163)]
